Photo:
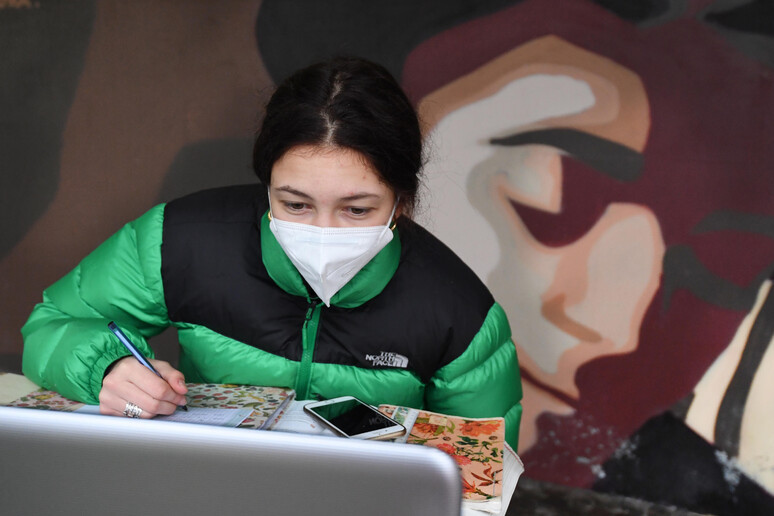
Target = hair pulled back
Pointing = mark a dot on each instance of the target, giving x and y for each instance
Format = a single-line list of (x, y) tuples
[(347, 103)]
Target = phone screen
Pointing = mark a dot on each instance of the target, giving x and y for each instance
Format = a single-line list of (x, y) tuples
[(353, 417)]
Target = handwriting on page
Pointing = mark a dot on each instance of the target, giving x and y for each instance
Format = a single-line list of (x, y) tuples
[(199, 416), (209, 416)]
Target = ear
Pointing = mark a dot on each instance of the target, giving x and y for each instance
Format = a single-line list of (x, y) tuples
[(399, 210)]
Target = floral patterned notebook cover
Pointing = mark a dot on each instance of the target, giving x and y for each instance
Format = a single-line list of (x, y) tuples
[(266, 402), (476, 444)]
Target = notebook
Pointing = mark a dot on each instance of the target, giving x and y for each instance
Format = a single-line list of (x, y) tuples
[(266, 403), (69, 463)]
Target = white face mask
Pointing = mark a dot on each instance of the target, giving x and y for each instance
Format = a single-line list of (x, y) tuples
[(328, 258)]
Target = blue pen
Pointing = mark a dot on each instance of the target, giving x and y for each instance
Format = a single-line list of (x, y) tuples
[(136, 352)]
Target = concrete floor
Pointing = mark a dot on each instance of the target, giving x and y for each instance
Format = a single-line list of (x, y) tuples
[(534, 498)]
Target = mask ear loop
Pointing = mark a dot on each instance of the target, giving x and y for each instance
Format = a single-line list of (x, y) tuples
[(394, 221), (268, 196)]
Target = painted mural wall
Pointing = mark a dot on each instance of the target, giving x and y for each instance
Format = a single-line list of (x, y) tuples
[(606, 167)]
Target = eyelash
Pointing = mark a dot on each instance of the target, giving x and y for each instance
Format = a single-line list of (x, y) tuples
[(363, 211), (300, 206), (295, 206)]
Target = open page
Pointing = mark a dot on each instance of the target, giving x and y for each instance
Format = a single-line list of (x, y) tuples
[(294, 419), (230, 417), (487, 464), (512, 470), (262, 404)]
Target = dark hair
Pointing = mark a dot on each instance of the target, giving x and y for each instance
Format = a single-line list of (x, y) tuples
[(349, 103)]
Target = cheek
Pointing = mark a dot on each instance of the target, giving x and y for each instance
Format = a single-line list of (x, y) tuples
[(609, 277)]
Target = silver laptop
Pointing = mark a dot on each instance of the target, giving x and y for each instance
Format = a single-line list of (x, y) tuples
[(65, 463)]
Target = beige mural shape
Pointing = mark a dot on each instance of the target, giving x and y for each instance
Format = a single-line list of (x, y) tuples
[(569, 304), (755, 441)]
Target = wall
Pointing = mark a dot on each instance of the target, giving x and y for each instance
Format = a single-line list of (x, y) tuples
[(605, 166)]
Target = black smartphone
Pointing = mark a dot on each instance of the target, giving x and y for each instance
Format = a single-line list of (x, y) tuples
[(350, 417)]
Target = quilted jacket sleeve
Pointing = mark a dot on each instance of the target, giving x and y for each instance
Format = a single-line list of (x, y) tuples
[(67, 345), (484, 381)]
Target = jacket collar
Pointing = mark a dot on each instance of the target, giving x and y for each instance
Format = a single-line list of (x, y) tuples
[(367, 284)]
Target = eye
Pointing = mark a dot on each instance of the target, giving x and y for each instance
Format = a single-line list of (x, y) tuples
[(358, 212), (294, 206)]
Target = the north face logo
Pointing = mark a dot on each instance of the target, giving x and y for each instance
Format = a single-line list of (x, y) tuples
[(388, 359)]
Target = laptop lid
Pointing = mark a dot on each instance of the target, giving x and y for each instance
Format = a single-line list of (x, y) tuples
[(65, 463)]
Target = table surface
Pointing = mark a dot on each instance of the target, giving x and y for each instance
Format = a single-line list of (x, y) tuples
[(13, 386)]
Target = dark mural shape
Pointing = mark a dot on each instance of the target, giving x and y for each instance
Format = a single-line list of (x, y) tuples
[(295, 34), (685, 270), (646, 468), (638, 10), (748, 25), (41, 57), (756, 17), (208, 164), (615, 160)]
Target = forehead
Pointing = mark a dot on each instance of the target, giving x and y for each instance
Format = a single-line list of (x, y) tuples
[(308, 158), (317, 170)]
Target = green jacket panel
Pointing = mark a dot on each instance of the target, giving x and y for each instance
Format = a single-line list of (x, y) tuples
[(239, 363), (484, 380), (67, 345)]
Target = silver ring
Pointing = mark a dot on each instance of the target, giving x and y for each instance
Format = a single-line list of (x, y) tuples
[(132, 410)]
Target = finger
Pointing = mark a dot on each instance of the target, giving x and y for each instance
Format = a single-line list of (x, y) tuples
[(157, 388), (175, 385), (173, 377), (129, 372), (141, 387), (113, 405), (154, 396)]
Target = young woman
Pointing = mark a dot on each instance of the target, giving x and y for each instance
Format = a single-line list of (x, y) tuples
[(316, 279)]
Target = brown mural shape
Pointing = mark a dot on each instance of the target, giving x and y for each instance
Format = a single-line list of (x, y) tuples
[(157, 77)]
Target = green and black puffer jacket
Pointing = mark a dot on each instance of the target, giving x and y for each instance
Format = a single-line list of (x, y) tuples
[(415, 327)]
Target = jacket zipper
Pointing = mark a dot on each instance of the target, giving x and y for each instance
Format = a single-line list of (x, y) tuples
[(308, 338)]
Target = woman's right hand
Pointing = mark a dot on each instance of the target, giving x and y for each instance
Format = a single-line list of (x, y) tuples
[(131, 382)]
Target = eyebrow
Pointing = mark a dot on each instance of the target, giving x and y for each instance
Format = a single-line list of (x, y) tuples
[(293, 191), (612, 159), (353, 197)]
